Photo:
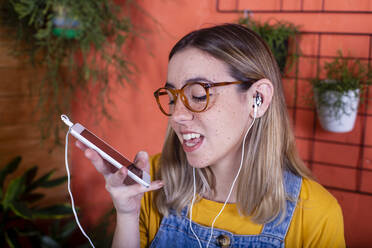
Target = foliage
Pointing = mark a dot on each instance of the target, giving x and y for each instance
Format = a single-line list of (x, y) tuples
[(79, 43), (102, 234), (21, 215), (342, 75), (278, 37)]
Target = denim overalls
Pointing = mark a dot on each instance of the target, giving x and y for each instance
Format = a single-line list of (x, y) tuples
[(175, 231)]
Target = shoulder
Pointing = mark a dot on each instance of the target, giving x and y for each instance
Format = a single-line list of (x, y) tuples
[(315, 196), (318, 205), (318, 219), (154, 161)]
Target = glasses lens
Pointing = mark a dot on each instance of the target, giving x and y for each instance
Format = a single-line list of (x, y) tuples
[(166, 101), (196, 95)]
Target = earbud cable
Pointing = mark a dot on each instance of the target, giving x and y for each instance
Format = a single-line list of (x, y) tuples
[(69, 190), (228, 196)]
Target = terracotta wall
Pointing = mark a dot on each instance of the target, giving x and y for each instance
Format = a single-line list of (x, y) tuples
[(139, 125), (19, 123)]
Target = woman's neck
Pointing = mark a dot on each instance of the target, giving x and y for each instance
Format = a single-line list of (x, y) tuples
[(224, 176)]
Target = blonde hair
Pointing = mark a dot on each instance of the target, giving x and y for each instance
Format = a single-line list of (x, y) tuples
[(270, 145)]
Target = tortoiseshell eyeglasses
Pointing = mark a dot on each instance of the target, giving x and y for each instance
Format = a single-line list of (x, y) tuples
[(194, 95)]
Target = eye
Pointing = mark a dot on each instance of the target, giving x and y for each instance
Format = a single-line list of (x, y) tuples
[(199, 98), (196, 92)]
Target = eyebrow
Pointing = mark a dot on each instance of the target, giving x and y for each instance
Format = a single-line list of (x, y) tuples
[(196, 79)]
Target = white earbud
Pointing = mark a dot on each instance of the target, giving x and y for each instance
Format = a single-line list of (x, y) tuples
[(256, 103)]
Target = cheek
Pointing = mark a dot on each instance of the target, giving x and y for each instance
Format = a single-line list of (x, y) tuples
[(227, 121)]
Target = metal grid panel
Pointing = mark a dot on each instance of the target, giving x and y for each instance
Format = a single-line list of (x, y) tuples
[(358, 145), (303, 6)]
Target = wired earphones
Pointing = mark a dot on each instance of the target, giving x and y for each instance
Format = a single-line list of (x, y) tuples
[(256, 103)]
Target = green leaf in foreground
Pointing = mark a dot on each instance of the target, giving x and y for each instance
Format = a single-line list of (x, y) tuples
[(15, 189), (9, 168), (54, 212)]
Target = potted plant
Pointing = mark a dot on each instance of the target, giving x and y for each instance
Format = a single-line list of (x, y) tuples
[(76, 44), (24, 218), (337, 96), (279, 37), (28, 222)]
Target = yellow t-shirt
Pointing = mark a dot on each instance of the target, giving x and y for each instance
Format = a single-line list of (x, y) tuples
[(317, 220)]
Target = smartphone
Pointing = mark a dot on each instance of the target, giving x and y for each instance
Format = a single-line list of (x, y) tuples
[(108, 153)]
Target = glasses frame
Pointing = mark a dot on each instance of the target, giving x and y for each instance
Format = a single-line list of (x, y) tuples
[(177, 92)]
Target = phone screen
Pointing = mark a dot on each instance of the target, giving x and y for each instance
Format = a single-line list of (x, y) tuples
[(114, 154)]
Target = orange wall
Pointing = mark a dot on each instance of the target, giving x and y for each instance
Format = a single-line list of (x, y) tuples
[(139, 125)]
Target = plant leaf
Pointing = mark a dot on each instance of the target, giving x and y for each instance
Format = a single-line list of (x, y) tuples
[(30, 174), (20, 209), (29, 232), (15, 190), (53, 212), (68, 229), (54, 182), (9, 168), (41, 180), (11, 238), (32, 197)]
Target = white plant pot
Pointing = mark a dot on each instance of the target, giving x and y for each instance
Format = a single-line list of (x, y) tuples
[(342, 120)]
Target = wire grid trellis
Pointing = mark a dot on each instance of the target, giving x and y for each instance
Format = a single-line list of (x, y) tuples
[(322, 8), (363, 114)]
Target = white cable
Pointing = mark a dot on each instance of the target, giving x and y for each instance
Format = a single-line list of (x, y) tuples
[(69, 190), (192, 203), (231, 189)]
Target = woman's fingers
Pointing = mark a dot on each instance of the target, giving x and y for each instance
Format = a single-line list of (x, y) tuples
[(114, 183), (80, 145), (142, 161), (116, 179), (155, 185), (101, 165)]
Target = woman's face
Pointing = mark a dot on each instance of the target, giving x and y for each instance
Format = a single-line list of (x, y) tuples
[(214, 136)]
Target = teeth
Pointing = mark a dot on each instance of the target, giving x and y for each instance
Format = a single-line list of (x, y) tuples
[(190, 136)]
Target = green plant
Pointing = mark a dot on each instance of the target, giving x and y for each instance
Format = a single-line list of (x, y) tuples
[(78, 43), (342, 75), (102, 234), (278, 37), (21, 216)]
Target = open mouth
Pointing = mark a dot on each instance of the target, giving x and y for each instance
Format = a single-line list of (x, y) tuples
[(191, 141)]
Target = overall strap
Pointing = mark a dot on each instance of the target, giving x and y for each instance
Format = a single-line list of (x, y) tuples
[(185, 211), (292, 184)]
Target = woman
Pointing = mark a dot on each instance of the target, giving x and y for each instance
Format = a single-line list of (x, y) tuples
[(230, 174)]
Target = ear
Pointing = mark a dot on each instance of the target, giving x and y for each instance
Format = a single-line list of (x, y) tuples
[(265, 89)]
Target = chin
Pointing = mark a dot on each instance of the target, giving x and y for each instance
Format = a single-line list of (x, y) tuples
[(197, 162)]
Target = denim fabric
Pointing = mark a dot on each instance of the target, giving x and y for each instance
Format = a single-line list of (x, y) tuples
[(175, 231)]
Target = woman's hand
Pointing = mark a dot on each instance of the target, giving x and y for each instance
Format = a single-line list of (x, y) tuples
[(126, 198)]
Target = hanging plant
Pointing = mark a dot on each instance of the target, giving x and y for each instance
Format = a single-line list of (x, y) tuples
[(280, 37), (78, 43), (337, 96)]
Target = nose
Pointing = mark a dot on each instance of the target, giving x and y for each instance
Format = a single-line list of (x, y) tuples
[(181, 113)]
